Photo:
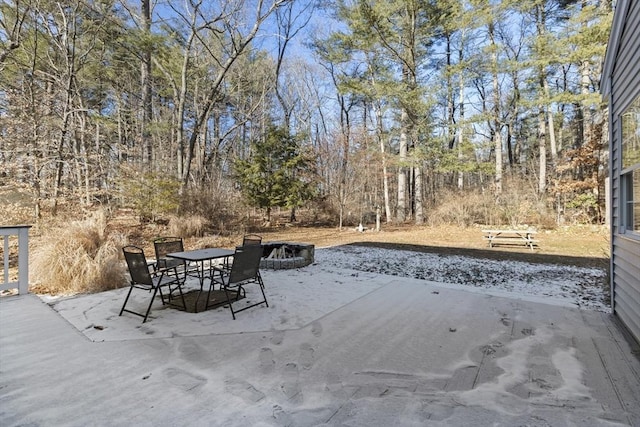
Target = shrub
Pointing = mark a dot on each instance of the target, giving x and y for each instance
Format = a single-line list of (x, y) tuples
[(517, 206), (217, 208), (582, 208), (152, 195), (80, 257), (188, 226), (463, 209)]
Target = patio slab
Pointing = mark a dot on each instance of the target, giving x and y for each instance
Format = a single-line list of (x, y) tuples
[(296, 298), (397, 352)]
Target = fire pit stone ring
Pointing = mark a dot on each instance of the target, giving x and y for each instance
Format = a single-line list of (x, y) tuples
[(286, 255)]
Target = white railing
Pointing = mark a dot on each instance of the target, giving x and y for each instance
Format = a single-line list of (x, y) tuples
[(22, 233)]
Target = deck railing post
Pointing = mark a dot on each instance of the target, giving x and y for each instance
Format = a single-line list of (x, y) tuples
[(22, 232)]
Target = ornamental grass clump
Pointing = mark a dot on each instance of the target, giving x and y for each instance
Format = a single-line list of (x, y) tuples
[(79, 258), (187, 226)]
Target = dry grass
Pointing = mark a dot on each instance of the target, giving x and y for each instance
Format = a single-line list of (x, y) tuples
[(574, 241), (462, 210), (517, 206), (85, 256), (188, 226), (80, 257)]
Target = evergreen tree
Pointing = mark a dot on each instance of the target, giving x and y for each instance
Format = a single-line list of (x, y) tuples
[(277, 173)]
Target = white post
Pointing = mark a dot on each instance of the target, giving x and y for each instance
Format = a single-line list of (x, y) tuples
[(23, 260), (5, 260), (22, 232)]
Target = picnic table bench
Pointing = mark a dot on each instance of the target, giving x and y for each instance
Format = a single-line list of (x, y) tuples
[(510, 237)]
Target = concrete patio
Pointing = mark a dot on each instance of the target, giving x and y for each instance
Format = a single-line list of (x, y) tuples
[(364, 350)]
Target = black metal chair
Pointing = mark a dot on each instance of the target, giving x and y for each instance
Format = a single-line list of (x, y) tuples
[(164, 246), (245, 270), (142, 278), (167, 245), (252, 240), (247, 240)]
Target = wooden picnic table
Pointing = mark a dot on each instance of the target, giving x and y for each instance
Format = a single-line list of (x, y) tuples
[(511, 237)]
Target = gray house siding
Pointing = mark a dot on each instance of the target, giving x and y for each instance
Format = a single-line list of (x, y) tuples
[(627, 289), (622, 86)]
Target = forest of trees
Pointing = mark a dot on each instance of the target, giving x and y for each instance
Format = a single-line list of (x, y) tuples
[(422, 110)]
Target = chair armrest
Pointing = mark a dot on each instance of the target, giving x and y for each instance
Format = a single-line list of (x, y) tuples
[(220, 268), (160, 271)]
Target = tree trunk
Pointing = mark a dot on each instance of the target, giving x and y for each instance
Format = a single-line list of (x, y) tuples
[(552, 133), (345, 129), (385, 175), (449, 91), (584, 106), (181, 105), (542, 77), (509, 126), (418, 191), (542, 146), (497, 126), (145, 82), (402, 174), (461, 123)]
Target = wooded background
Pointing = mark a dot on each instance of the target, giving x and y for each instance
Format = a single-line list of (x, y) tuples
[(464, 111)]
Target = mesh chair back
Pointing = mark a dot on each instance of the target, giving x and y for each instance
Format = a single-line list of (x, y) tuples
[(246, 263), (142, 278), (137, 263), (167, 245), (251, 239)]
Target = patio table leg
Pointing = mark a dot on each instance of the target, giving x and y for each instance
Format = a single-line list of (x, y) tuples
[(201, 280)]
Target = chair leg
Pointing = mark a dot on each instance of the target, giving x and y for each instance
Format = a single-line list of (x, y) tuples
[(126, 300), (171, 292), (155, 291), (159, 288), (261, 284), (263, 294), (221, 282), (226, 293), (211, 287)]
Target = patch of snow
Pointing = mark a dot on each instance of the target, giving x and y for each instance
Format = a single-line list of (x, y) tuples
[(571, 371), (579, 286), (497, 394)]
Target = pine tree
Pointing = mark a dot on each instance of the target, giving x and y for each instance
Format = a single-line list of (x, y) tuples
[(278, 172)]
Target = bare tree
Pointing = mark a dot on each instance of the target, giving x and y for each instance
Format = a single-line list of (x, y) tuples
[(12, 19), (236, 37), (497, 124), (145, 83), (289, 23)]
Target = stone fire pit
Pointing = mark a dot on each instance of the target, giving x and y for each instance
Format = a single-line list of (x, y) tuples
[(286, 255)]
